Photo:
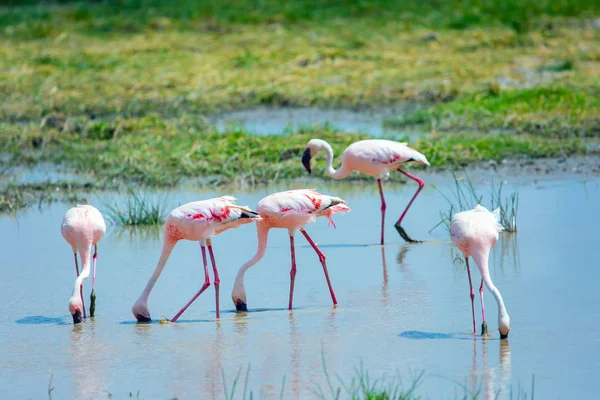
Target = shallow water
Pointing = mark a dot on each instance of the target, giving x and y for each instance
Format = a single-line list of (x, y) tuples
[(402, 308), (272, 120)]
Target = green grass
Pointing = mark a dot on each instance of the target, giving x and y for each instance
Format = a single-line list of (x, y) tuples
[(131, 58), (544, 111), (137, 210), (161, 153)]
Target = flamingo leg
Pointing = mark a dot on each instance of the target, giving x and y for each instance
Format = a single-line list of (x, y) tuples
[(292, 271), (80, 286), (93, 294), (216, 272), (202, 289), (322, 258), (398, 226), (472, 294), (383, 207), (484, 328)]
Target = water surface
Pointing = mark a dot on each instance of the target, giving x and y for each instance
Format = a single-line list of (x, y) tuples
[(402, 308), (273, 120)]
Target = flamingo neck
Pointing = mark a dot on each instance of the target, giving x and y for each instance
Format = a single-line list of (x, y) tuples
[(262, 230), (335, 174), (85, 269), (482, 262), (164, 256)]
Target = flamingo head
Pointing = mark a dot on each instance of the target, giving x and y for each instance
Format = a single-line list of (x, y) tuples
[(312, 148), (503, 326), (75, 308), (140, 311), (239, 299)]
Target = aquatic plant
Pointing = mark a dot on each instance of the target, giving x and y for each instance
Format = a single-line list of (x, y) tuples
[(137, 210), (464, 197)]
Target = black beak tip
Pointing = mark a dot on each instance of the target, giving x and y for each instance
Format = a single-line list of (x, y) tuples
[(241, 306), (503, 336), (306, 160), (143, 319), (77, 317)]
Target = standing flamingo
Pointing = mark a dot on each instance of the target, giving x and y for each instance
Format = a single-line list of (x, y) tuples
[(82, 227), (474, 233), (372, 157), (199, 220), (290, 210)]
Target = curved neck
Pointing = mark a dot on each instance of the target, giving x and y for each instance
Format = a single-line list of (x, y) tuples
[(85, 269), (262, 230), (482, 262), (340, 173), (164, 256)]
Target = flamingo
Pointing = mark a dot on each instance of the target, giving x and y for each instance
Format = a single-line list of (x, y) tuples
[(474, 233), (290, 210), (373, 157), (199, 220), (83, 227)]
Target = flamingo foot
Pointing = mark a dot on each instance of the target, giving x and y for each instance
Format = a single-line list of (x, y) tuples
[(484, 329), (77, 317), (143, 320), (241, 306), (404, 235), (92, 303)]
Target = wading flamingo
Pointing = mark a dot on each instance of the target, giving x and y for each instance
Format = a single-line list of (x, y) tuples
[(474, 233), (199, 220), (372, 157), (83, 227), (290, 210)]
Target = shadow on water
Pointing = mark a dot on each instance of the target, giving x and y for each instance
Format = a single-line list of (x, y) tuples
[(419, 335), (165, 322), (255, 310), (41, 320)]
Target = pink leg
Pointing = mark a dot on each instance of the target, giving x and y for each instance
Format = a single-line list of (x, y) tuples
[(292, 272), (322, 259), (202, 289), (484, 328), (398, 226), (383, 207), (217, 279), (80, 286), (472, 294)]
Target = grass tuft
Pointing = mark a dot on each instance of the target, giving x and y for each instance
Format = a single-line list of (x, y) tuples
[(138, 211), (464, 197)]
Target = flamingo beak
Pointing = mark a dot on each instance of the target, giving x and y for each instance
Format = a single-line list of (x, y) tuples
[(503, 336), (306, 160), (77, 317), (241, 306), (143, 319)]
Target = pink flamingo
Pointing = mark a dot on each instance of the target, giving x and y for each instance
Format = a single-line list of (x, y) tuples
[(82, 227), (372, 157), (290, 210), (474, 233), (199, 220)]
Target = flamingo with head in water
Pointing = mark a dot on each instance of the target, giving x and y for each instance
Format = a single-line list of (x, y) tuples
[(289, 210), (197, 221), (474, 233), (83, 227), (374, 157)]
